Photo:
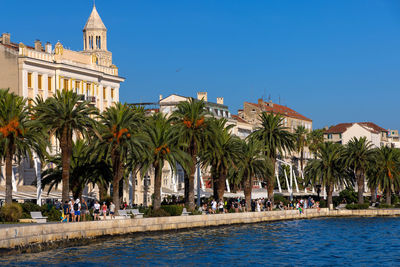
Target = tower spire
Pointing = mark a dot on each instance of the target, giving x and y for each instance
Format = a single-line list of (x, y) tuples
[(95, 38)]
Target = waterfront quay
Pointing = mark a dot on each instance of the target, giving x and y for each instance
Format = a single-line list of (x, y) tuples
[(37, 237)]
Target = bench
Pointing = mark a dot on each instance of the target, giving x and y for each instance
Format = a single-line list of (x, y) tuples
[(38, 217), (185, 212), (123, 213), (129, 211), (137, 214), (341, 206)]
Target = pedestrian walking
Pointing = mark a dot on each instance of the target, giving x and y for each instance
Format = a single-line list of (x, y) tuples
[(104, 209), (112, 210), (96, 211)]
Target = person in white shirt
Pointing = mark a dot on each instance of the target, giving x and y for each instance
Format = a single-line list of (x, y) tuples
[(71, 210), (214, 206), (96, 211), (112, 210)]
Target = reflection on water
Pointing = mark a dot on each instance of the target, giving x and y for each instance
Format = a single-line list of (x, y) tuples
[(333, 241)]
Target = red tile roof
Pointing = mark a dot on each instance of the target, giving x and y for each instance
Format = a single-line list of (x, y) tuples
[(236, 117), (279, 109), (342, 127)]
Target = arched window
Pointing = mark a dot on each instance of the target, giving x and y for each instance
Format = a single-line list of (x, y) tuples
[(99, 42)]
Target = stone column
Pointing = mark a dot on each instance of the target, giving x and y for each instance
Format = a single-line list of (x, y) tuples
[(45, 86), (35, 84)]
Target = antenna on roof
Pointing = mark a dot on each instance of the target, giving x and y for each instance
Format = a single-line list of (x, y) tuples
[(269, 97), (279, 99)]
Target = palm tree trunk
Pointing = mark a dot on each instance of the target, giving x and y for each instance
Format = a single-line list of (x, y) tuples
[(373, 194), (189, 185), (117, 175), (66, 152), (329, 191), (271, 183), (360, 184), (388, 196), (221, 185), (8, 176), (247, 192), (301, 159), (157, 187), (214, 175)]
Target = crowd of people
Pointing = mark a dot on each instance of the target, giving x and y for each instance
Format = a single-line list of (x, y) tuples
[(257, 205), (79, 210)]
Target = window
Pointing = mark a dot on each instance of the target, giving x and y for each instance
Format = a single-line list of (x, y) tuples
[(49, 84), (65, 84), (88, 86), (329, 136), (77, 86), (104, 93), (29, 80), (112, 93), (39, 81)]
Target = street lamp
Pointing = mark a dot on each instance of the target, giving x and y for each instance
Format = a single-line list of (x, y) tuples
[(146, 183), (318, 186)]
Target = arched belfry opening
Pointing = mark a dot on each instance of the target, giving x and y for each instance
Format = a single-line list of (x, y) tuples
[(95, 32), (95, 39)]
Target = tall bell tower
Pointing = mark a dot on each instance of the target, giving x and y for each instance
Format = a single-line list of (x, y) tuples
[(95, 39)]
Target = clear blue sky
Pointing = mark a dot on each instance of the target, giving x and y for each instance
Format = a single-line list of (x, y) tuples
[(332, 61)]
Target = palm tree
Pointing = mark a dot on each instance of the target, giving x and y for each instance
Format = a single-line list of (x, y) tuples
[(358, 156), (314, 139), (65, 116), (388, 171), (191, 125), (276, 140), (121, 139), (85, 169), (165, 147), (222, 151), (301, 142), (20, 135), (327, 169), (253, 163)]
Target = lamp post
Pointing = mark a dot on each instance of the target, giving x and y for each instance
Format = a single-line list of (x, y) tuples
[(318, 186), (198, 185), (146, 181)]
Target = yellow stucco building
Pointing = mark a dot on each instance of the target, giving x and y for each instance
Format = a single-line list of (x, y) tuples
[(35, 70)]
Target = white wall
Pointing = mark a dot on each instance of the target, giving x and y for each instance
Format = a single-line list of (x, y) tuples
[(358, 131)]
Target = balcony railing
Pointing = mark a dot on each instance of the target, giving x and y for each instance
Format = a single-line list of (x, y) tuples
[(81, 97)]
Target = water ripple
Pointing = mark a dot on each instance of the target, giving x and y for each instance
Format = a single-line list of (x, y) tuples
[(318, 242)]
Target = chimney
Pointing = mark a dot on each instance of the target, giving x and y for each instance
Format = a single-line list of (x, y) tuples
[(48, 47), (5, 38), (260, 101), (220, 100), (160, 97), (202, 95), (38, 45)]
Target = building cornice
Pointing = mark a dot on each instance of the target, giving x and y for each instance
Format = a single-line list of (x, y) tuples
[(68, 67)]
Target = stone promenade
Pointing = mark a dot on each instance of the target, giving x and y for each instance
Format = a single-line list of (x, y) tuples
[(36, 237)]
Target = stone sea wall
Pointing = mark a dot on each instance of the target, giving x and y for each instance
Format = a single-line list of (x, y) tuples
[(36, 237)]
